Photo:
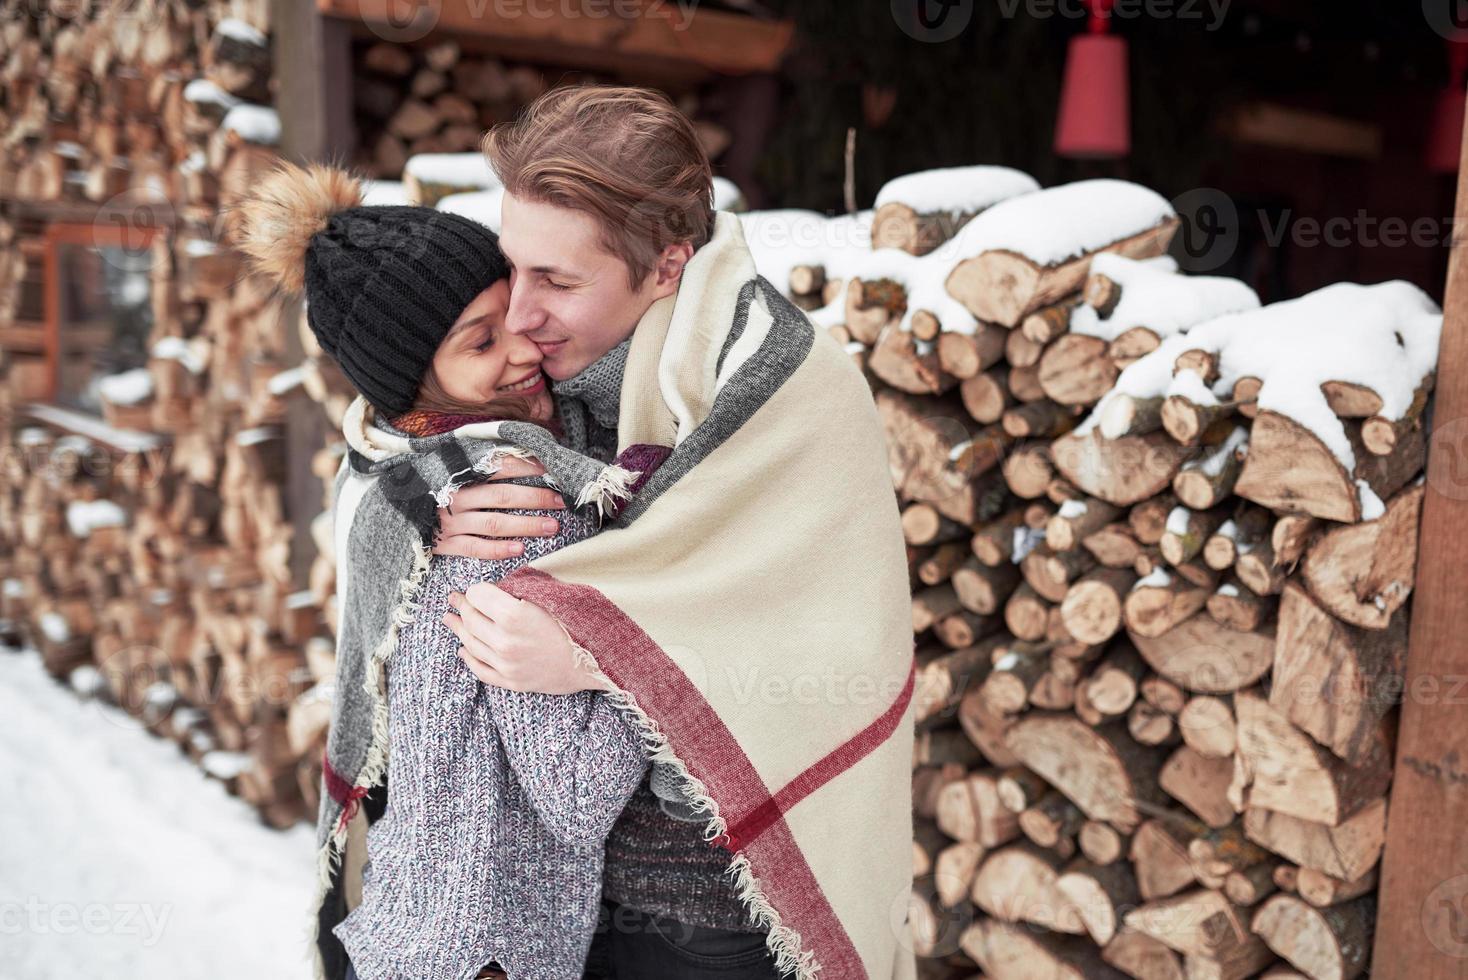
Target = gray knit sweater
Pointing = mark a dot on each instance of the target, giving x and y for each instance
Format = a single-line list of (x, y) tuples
[(499, 803)]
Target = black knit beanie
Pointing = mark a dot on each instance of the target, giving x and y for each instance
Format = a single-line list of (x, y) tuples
[(383, 283), (383, 286)]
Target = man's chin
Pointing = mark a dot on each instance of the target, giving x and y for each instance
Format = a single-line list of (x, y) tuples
[(559, 368)]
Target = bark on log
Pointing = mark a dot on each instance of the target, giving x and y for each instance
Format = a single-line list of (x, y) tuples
[(1140, 956), (1119, 471), (1100, 894), (1202, 656), (1363, 573), (1293, 774), (1092, 609), (969, 810), (1202, 922), (1075, 370), (1289, 469), (1199, 783), (1327, 944), (1159, 853), (1017, 883), (1347, 851)]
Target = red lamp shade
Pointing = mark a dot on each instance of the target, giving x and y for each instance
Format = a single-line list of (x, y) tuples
[(1095, 115)]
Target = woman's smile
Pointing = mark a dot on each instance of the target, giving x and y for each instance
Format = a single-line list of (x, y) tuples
[(526, 386)]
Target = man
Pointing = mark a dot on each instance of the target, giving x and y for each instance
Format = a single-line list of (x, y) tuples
[(606, 209)]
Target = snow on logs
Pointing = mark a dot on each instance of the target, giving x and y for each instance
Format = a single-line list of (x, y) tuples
[(918, 212)]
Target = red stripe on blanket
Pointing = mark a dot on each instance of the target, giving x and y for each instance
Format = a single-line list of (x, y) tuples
[(337, 787), (826, 769), (347, 796), (703, 741)]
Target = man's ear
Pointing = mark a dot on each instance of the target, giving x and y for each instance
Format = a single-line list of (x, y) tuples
[(668, 273)]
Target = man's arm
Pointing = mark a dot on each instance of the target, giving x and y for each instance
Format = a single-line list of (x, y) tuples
[(475, 525)]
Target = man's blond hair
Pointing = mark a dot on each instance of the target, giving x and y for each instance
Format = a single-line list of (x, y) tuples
[(624, 155)]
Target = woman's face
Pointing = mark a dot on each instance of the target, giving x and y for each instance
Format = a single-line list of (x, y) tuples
[(478, 361)]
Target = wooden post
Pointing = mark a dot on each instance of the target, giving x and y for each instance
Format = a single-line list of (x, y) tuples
[(314, 78), (1422, 929)]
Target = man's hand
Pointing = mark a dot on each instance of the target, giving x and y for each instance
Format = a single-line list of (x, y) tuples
[(473, 526), (515, 644)]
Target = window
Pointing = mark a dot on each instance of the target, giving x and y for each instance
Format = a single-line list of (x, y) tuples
[(99, 311)]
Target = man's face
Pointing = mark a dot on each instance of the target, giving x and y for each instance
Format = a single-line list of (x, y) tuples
[(567, 293)]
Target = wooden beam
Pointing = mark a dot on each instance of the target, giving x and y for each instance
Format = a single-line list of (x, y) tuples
[(1422, 929), (664, 35)]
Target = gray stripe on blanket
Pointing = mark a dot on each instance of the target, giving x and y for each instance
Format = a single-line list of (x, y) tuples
[(784, 349)]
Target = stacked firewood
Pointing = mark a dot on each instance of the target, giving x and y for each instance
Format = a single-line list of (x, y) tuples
[(411, 101), (1160, 632), (146, 554)]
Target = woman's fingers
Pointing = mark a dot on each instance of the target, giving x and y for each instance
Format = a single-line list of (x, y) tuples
[(475, 650), (479, 510), (497, 524), (505, 496), (470, 546), (515, 466), (477, 632)]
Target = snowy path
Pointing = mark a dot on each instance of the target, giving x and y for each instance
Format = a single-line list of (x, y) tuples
[(119, 859)]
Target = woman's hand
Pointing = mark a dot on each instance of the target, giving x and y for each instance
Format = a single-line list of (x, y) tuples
[(473, 526), (515, 644)]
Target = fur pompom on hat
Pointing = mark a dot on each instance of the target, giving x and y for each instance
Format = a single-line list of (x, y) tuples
[(384, 284), (292, 205)]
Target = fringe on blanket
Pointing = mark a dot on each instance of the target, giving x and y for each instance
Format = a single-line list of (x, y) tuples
[(783, 942)]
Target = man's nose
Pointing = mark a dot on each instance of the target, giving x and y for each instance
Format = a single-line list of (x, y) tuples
[(523, 314)]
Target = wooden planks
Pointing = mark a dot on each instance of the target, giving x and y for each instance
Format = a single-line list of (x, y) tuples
[(1422, 931)]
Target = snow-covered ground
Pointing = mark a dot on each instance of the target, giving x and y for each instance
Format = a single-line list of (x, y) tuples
[(119, 858)]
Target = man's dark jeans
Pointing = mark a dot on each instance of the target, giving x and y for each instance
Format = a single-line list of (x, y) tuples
[(632, 945)]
